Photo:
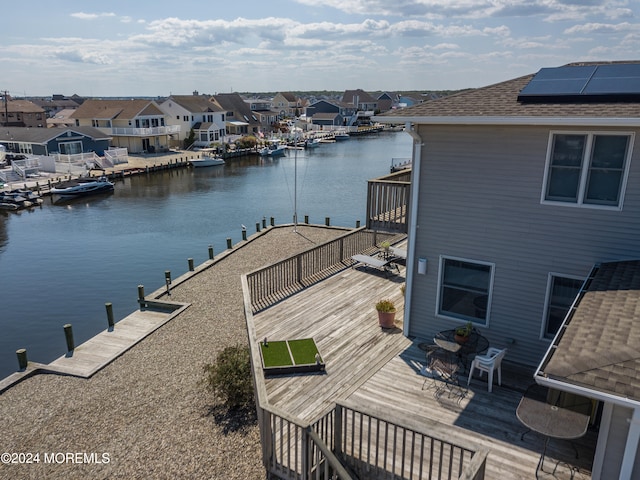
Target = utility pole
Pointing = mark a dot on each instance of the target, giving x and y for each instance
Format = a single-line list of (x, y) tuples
[(6, 109)]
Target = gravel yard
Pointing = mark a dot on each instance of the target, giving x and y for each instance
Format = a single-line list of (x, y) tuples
[(146, 415)]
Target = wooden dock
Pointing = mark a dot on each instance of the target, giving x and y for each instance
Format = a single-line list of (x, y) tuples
[(379, 370), (100, 350)]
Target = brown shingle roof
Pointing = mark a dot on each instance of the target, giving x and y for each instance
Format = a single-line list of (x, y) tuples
[(195, 103), (122, 109), (501, 100), (600, 349)]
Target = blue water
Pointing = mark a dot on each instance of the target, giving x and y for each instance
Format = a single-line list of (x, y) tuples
[(61, 264)]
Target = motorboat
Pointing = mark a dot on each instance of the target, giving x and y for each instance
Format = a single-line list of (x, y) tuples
[(312, 143), (209, 158), (82, 186), (341, 136), (274, 149), (29, 195), (14, 201)]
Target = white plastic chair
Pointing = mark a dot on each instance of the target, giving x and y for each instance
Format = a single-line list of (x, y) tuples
[(489, 362)]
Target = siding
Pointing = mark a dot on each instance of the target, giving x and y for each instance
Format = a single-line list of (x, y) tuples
[(479, 199), (616, 441)]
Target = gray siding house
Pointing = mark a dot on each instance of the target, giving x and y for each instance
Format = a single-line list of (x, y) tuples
[(514, 200)]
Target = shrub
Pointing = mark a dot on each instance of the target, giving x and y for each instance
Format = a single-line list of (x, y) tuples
[(230, 377), (385, 306)]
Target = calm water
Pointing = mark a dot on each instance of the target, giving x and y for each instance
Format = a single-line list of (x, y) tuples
[(60, 264)]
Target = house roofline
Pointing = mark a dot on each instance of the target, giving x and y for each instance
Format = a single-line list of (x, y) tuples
[(475, 120)]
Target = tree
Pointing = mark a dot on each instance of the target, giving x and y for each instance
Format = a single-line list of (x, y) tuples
[(191, 138), (230, 377)]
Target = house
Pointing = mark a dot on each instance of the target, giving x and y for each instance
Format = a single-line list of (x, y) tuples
[(48, 141), (287, 104), (240, 120), (262, 111), (62, 119), (137, 125), (195, 112), (387, 100), (518, 190), (21, 113), (341, 112), (57, 103)]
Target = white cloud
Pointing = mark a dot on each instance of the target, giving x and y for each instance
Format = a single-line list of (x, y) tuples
[(91, 16)]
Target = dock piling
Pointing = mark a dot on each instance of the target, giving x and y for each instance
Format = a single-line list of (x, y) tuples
[(273, 221), (109, 308), (357, 223), (190, 262), (327, 221), (68, 335), (167, 280), (257, 226), (210, 252), (229, 242), (264, 222), (141, 294), (306, 219), (22, 358), (244, 234)]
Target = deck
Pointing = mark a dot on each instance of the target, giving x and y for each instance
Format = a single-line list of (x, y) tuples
[(378, 370)]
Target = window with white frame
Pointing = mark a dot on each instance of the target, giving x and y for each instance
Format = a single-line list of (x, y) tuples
[(587, 169), (465, 289), (561, 293)]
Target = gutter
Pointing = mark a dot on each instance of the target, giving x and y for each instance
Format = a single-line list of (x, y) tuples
[(516, 120), (413, 219)]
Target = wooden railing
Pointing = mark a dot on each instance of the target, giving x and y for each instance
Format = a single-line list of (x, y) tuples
[(276, 282), (346, 443), (387, 202)]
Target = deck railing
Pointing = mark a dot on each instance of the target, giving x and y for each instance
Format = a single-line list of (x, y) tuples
[(346, 443), (387, 202), (280, 280)]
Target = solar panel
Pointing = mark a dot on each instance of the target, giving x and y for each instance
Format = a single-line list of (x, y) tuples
[(583, 83)]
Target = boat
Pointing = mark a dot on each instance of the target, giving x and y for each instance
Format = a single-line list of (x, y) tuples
[(82, 186), (13, 201), (312, 143), (209, 158), (341, 136), (29, 195), (273, 149)]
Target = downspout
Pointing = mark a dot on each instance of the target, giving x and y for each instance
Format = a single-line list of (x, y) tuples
[(413, 218)]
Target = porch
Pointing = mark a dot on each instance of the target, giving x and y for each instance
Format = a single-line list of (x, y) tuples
[(385, 425)]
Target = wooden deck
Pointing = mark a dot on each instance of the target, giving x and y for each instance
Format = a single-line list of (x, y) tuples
[(378, 370)]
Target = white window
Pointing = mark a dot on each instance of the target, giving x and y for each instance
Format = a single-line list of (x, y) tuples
[(464, 289), (587, 169), (561, 293)]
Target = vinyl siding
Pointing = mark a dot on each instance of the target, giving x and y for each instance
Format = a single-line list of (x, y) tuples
[(479, 199)]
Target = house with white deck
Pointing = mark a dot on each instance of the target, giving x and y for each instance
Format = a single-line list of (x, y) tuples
[(525, 219), (136, 124), (196, 112)]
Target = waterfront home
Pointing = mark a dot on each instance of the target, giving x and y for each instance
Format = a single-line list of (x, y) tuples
[(239, 118), (49, 141), (195, 112), (365, 105), (345, 112), (287, 104), (261, 110), (22, 113), (137, 125), (525, 196)]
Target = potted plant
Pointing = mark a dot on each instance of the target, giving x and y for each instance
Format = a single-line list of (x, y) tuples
[(386, 246), (462, 333), (386, 313)]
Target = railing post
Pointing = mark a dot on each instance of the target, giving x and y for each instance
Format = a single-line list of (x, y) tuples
[(337, 431), (305, 454)]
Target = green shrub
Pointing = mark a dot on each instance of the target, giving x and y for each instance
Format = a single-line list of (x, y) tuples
[(230, 377)]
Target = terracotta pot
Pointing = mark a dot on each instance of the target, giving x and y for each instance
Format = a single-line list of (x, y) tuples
[(386, 319), (460, 339)]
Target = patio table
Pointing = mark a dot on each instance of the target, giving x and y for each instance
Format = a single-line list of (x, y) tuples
[(475, 344), (550, 420)]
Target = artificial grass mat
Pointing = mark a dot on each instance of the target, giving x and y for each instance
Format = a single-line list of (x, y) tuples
[(289, 353)]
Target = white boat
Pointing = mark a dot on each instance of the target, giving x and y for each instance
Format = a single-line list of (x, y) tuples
[(274, 149), (82, 186), (341, 136), (209, 159), (312, 143)]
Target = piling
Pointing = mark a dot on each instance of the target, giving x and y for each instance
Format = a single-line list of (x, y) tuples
[(264, 222), (141, 293), (228, 242), (68, 335), (22, 358), (244, 234), (306, 219), (273, 221), (357, 223), (210, 252), (109, 308), (326, 221), (190, 262), (257, 226)]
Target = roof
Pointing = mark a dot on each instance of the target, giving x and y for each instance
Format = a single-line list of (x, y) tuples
[(499, 103), (599, 345), (349, 96), (22, 106), (121, 109), (289, 97), (234, 102), (44, 135), (195, 103)]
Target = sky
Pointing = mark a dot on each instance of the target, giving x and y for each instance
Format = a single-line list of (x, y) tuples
[(159, 48)]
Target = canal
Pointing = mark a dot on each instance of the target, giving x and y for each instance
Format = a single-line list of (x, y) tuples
[(61, 263)]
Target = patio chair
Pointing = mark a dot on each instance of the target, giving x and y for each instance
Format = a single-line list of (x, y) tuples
[(489, 362), (441, 370)]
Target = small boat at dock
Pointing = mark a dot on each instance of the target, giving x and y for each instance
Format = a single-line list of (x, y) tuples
[(14, 200), (274, 149), (82, 186), (341, 135), (209, 159)]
